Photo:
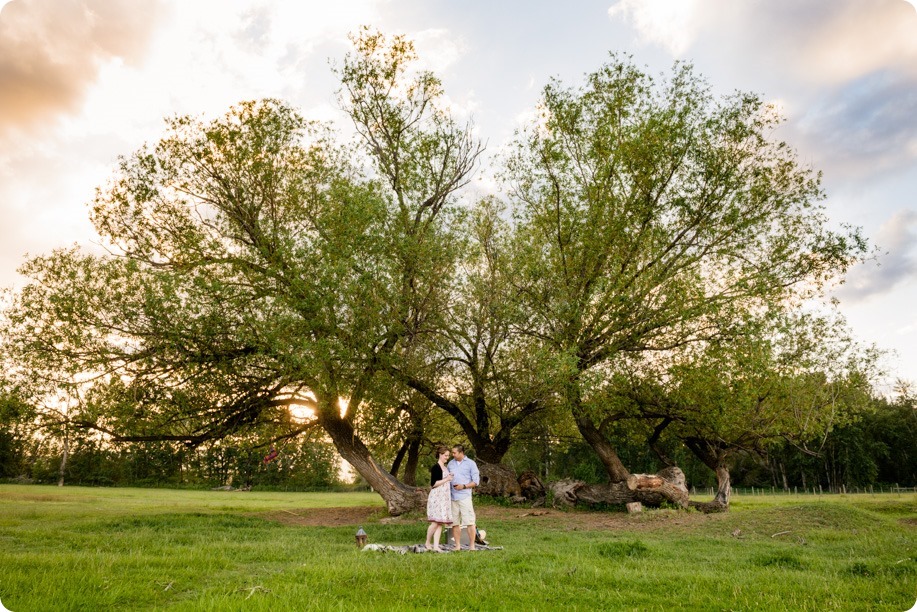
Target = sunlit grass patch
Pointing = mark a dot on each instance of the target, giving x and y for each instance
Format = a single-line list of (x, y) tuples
[(209, 551), (622, 550), (781, 559)]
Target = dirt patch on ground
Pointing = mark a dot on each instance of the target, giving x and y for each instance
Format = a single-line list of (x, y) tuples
[(327, 517), (544, 518), (910, 522), (574, 520), (40, 498)]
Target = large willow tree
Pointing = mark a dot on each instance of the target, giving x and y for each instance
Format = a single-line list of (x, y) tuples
[(649, 212), (255, 263)]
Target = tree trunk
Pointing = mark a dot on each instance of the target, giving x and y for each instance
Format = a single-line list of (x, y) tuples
[(653, 442), (720, 501), (501, 481), (667, 485), (606, 452), (63, 459), (410, 468), (498, 481), (398, 497), (486, 451), (714, 457), (410, 448), (399, 457)]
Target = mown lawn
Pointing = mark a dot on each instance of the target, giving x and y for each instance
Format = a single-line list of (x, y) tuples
[(133, 549)]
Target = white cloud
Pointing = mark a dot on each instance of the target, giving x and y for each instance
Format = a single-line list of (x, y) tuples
[(897, 264), (864, 127), (125, 68), (672, 24), (438, 49), (845, 70), (857, 38), (51, 52), (827, 42)]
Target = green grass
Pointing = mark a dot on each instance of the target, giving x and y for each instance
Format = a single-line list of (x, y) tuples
[(135, 549)]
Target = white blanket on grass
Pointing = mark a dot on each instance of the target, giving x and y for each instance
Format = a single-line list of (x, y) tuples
[(420, 548)]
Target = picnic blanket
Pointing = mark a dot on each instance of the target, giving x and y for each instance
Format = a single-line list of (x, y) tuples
[(420, 548)]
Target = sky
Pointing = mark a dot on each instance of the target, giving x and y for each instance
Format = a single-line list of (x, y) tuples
[(84, 81)]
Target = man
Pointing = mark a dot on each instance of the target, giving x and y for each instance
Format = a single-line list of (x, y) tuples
[(465, 478)]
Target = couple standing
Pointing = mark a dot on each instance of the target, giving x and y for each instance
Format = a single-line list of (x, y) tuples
[(449, 502)]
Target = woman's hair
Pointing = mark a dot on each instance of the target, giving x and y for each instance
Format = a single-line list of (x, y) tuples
[(441, 449)]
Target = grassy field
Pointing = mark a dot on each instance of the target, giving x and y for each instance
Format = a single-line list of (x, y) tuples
[(134, 549)]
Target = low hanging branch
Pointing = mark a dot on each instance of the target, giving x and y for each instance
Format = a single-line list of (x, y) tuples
[(191, 440)]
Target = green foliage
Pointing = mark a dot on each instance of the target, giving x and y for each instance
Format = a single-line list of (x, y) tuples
[(761, 381), (653, 219), (305, 464), (652, 238), (646, 208), (12, 448), (257, 263), (15, 433), (880, 446)]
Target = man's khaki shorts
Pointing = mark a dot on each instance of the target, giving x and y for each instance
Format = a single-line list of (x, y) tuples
[(463, 512)]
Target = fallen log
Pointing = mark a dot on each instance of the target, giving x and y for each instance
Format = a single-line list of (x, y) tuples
[(666, 486), (531, 485), (497, 481)]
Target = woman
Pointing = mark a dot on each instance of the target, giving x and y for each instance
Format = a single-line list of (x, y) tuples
[(439, 503)]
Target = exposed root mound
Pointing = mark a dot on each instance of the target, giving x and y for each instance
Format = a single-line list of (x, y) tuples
[(711, 507), (531, 485)]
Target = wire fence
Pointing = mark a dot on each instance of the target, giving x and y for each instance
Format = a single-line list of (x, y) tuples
[(819, 490)]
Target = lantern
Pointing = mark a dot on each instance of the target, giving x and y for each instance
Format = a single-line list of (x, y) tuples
[(361, 538)]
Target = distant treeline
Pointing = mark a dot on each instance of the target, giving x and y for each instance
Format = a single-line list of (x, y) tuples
[(881, 447), (304, 466)]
